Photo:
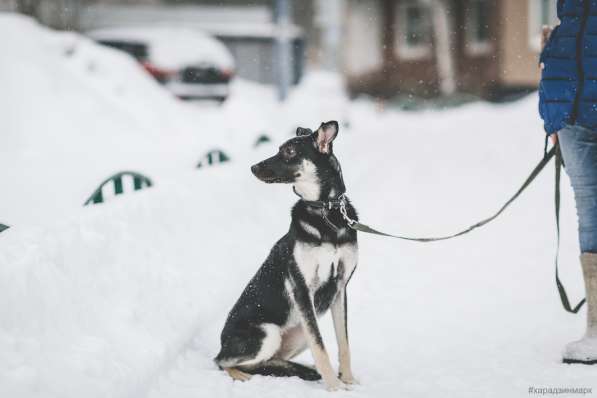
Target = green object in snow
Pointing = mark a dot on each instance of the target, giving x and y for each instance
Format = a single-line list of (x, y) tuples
[(212, 157), (139, 182), (262, 139)]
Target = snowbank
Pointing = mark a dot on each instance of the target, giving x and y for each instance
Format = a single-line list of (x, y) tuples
[(99, 304), (127, 299), (74, 113)]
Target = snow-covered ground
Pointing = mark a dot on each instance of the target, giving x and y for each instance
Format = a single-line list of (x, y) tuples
[(127, 298)]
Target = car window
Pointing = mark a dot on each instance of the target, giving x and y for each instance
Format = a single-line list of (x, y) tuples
[(137, 50)]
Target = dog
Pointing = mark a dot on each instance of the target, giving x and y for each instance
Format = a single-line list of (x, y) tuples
[(305, 274)]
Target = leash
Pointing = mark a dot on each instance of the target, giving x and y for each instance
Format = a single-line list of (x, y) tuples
[(536, 171), (561, 290), (340, 203)]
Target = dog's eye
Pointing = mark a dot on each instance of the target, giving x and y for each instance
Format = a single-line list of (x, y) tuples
[(289, 152)]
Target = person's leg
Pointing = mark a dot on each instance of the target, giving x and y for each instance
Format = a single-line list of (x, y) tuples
[(579, 151)]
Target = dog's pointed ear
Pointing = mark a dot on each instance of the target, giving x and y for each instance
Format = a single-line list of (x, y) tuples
[(303, 131), (325, 134)]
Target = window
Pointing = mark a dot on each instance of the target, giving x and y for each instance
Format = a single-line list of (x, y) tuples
[(477, 27), (541, 12), (413, 33)]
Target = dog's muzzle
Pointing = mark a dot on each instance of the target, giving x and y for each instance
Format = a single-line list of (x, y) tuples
[(264, 173)]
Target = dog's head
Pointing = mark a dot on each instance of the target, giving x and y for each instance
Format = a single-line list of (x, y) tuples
[(307, 161)]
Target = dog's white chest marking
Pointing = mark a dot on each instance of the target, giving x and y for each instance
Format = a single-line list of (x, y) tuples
[(317, 262)]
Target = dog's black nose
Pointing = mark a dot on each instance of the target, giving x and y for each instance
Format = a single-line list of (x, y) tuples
[(255, 169)]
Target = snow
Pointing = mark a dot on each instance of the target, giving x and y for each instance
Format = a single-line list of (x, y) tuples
[(249, 21), (127, 298), (172, 47)]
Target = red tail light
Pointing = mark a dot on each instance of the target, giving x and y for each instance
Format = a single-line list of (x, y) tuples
[(159, 74), (227, 73)]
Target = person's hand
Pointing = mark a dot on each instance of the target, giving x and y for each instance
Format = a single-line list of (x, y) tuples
[(554, 138), (545, 33)]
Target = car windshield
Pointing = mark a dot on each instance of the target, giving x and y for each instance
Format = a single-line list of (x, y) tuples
[(137, 50)]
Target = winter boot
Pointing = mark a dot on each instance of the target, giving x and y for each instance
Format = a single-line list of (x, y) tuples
[(585, 350)]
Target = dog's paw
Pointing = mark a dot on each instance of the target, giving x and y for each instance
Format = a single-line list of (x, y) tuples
[(336, 385), (237, 375), (348, 378)]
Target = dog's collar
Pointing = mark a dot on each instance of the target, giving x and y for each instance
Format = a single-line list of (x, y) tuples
[(332, 204), (324, 206)]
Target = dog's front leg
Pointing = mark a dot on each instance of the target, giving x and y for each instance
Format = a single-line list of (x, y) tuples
[(339, 315), (304, 304)]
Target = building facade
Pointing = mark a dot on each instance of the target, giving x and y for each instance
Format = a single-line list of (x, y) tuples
[(391, 46)]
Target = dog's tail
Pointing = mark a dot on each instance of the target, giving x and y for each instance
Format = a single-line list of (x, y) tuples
[(282, 368)]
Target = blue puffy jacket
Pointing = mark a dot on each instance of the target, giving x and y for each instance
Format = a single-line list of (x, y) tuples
[(568, 88)]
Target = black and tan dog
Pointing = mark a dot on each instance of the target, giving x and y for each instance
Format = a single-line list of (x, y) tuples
[(305, 274)]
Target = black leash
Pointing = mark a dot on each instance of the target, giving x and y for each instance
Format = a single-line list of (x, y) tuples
[(546, 158), (563, 295), (340, 204)]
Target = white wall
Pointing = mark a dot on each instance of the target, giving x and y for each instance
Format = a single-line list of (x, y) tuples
[(363, 36)]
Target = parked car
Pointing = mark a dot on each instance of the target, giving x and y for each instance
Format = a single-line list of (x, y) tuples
[(188, 62)]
